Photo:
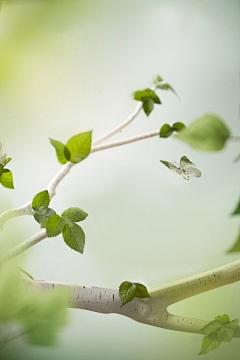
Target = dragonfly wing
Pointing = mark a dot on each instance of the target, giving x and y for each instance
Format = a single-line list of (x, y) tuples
[(185, 163), (174, 168), (195, 172)]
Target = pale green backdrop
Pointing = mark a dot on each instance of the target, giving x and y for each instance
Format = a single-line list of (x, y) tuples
[(71, 66)]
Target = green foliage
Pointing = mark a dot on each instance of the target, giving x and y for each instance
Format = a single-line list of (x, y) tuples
[(167, 130), (148, 98), (163, 86), (128, 291), (42, 214), (236, 246), (39, 313), (6, 179), (209, 133), (76, 149), (74, 214), (62, 151), (218, 330), (41, 199), (74, 237), (237, 210), (80, 146), (55, 225)]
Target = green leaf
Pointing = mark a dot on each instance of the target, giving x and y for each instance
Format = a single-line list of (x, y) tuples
[(6, 161), (223, 318), (127, 291), (141, 291), (209, 133), (178, 126), (237, 210), (62, 151), (80, 146), (74, 214), (141, 95), (236, 246), (159, 78), (41, 199), (210, 343), (166, 131), (225, 334), (6, 179), (55, 225), (211, 327), (233, 324), (42, 214), (74, 237), (166, 87), (148, 105)]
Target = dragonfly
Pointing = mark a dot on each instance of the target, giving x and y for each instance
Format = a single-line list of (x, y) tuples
[(185, 168)]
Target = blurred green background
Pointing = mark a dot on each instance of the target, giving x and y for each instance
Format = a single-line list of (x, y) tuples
[(71, 66)]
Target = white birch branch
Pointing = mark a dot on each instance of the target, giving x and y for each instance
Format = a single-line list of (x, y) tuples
[(125, 141), (151, 311), (25, 245), (126, 122)]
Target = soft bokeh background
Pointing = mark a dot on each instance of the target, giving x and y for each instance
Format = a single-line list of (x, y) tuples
[(71, 66)]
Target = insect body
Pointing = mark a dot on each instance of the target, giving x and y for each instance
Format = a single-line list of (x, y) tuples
[(185, 169)]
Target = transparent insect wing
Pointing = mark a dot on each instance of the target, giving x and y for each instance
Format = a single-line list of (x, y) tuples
[(185, 163), (195, 172)]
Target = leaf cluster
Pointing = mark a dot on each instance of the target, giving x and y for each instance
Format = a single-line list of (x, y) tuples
[(148, 98), (6, 178), (167, 130), (129, 290), (76, 149), (55, 224), (219, 330)]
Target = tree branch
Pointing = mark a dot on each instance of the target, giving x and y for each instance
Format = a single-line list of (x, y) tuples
[(151, 311), (125, 141)]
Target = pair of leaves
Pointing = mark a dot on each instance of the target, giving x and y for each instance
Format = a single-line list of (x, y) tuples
[(209, 133), (148, 98), (219, 330), (76, 149), (6, 178), (167, 130), (129, 290), (73, 234)]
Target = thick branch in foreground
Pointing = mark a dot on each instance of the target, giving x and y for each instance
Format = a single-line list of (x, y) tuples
[(151, 311)]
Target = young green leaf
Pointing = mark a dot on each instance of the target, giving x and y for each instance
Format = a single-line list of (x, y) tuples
[(62, 151), (178, 126), (6, 161), (236, 246), (223, 319), (210, 343), (127, 291), (74, 237), (41, 199), (148, 105), (55, 225), (6, 179), (43, 213), (74, 214), (166, 131), (211, 327), (79, 146), (166, 87), (225, 334), (141, 291), (209, 133), (233, 324), (237, 210)]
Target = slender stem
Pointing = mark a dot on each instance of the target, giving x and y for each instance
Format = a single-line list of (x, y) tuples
[(151, 311), (25, 245), (121, 126), (125, 141)]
